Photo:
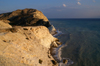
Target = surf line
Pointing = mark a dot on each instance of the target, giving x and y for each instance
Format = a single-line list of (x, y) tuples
[(56, 52)]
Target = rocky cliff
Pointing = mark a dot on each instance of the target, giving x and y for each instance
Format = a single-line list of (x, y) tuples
[(25, 46), (25, 17), (25, 39)]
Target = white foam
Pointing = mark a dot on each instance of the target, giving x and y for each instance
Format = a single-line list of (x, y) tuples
[(58, 52)]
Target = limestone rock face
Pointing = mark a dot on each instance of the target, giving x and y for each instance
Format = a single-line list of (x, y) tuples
[(26, 17), (26, 46), (25, 39)]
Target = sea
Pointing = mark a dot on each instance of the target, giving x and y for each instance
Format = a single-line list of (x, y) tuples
[(81, 40)]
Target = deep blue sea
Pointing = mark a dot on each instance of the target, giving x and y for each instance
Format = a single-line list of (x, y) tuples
[(82, 40)]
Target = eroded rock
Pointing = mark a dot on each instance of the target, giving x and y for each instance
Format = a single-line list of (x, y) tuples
[(26, 17), (54, 44), (59, 43), (26, 47), (25, 39)]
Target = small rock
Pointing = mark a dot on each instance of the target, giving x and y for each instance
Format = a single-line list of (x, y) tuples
[(56, 39), (54, 44), (65, 61), (59, 43)]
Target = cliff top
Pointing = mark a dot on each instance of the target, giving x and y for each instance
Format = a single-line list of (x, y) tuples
[(26, 17)]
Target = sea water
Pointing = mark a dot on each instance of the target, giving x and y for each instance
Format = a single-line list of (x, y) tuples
[(81, 39)]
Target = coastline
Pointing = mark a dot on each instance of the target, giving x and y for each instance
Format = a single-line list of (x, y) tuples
[(56, 52), (32, 40)]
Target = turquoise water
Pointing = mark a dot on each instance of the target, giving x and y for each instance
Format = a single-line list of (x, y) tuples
[(82, 37)]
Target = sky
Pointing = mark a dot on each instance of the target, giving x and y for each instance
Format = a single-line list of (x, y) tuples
[(56, 8)]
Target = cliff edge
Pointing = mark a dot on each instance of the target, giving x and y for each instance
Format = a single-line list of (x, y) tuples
[(25, 39)]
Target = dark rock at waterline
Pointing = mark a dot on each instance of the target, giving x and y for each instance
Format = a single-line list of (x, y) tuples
[(54, 44), (59, 43), (65, 61), (26, 17)]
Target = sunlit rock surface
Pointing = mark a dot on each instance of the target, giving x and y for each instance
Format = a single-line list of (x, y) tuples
[(25, 39), (4, 25), (25, 46)]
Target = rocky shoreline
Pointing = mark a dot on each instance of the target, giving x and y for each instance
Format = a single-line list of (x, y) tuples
[(26, 39), (56, 52)]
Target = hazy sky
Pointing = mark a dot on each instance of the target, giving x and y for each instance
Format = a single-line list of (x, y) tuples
[(56, 8)]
